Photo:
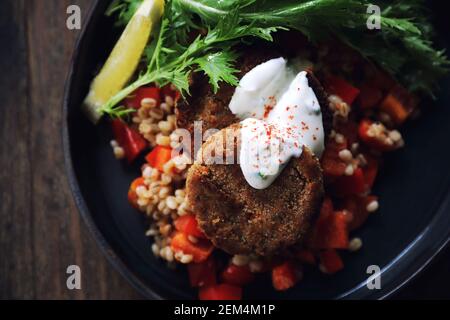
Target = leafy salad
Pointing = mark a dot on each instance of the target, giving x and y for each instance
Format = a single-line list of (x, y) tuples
[(403, 46)]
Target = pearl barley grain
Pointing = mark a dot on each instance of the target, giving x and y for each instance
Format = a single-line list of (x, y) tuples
[(373, 206), (355, 244)]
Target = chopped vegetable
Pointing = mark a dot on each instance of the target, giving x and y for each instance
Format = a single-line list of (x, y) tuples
[(341, 88), (158, 157), (356, 206), (398, 104), (168, 91), (370, 171), (370, 96), (132, 196), (349, 129), (188, 224), (375, 135), (284, 276), (237, 275), (330, 230), (129, 139), (220, 292), (306, 256), (332, 164), (331, 261), (134, 100), (200, 250), (202, 274), (348, 185)]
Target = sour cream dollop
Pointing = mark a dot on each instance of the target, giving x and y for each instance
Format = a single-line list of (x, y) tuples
[(280, 114)]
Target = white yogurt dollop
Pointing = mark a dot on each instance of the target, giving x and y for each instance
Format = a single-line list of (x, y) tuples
[(281, 114)]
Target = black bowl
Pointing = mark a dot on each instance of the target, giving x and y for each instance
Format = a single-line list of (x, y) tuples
[(411, 227)]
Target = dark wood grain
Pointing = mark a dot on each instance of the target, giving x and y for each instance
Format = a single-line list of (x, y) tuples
[(40, 230)]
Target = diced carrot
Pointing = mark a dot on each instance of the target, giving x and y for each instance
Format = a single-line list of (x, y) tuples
[(348, 185), (220, 292), (343, 89), (129, 139), (202, 274), (237, 275), (132, 196), (200, 250), (331, 261), (158, 157), (398, 104), (284, 276), (306, 256), (134, 100), (188, 224)]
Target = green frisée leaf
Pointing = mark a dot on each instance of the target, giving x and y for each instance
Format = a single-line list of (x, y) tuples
[(403, 46), (123, 10), (173, 59), (218, 67)]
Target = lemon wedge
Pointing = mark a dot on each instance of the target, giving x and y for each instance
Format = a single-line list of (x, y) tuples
[(124, 58)]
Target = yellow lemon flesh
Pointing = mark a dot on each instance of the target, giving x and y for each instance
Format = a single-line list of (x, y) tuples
[(124, 58)]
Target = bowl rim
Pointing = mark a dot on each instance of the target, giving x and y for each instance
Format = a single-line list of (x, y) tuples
[(399, 280), (82, 207)]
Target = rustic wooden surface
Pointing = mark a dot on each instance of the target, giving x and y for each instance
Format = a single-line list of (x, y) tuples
[(40, 230)]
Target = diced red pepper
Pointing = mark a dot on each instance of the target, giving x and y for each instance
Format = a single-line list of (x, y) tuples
[(132, 196), (284, 276), (201, 250), (238, 276), (370, 96), (370, 171), (343, 89), (327, 207), (158, 157), (331, 261), (202, 274), (375, 142), (348, 185), (168, 91), (382, 80), (357, 208), (349, 130), (330, 231), (188, 224), (220, 292), (129, 139), (306, 256), (135, 99), (332, 164)]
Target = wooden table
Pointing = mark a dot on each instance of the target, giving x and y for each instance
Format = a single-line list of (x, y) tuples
[(41, 233)]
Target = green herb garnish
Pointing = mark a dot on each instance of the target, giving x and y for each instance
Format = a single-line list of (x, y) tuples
[(403, 46)]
